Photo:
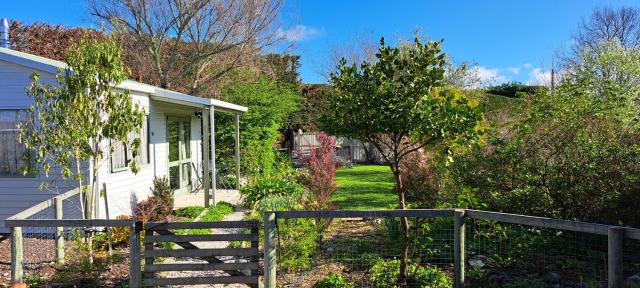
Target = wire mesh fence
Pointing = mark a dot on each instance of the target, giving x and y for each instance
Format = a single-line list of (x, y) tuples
[(500, 254), (71, 256), (364, 251), (519, 251)]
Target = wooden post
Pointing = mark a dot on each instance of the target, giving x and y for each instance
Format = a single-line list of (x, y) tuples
[(57, 204), (16, 255), (237, 151), (458, 239), (615, 274), (255, 259), (270, 250), (212, 143), (134, 254), (206, 177), (148, 260)]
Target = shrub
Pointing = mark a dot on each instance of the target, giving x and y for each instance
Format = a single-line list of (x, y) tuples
[(162, 194), (159, 205), (119, 236), (279, 202), (385, 273), (298, 241), (514, 89), (333, 281), (321, 169), (264, 186), (419, 180)]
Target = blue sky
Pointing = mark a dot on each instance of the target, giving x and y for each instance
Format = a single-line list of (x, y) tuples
[(508, 40)]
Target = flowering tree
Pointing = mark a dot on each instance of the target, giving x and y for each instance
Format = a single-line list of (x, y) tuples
[(321, 169)]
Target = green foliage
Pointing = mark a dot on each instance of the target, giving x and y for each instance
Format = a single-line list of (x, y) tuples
[(34, 281), (399, 95), (74, 118), (298, 240), (268, 185), (566, 158), (384, 274), (217, 212), (189, 212), (515, 90), (269, 106), (333, 281)]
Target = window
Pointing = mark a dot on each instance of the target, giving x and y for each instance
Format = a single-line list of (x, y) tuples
[(122, 155), (11, 151)]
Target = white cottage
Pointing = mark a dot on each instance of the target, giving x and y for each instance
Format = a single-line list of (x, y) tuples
[(172, 141)]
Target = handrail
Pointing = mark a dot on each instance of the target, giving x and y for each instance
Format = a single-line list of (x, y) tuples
[(43, 205), (67, 223)]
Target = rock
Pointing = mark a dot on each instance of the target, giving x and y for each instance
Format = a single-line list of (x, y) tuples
[(632, 281), (330, 249), (477, 261), (552, 278)]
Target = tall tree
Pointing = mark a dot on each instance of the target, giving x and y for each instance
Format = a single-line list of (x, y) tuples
[(399, 105), (194, 41), (603, 25), (74, 119)]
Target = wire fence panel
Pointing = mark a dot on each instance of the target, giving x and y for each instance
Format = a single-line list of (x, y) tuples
[(364, 251), (501, 254)]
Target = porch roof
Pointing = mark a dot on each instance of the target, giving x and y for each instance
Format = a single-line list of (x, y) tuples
[(156, 93)]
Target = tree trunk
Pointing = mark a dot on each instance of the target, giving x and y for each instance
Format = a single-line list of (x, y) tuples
[(404, 255)]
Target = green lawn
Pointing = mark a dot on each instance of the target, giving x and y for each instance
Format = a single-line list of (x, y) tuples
[(365, 187)]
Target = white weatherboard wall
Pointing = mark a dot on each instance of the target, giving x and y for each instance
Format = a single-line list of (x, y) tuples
[(121, 184), (19, 193)]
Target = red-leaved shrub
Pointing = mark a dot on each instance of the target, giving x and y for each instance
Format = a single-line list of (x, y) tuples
[(321, 169)]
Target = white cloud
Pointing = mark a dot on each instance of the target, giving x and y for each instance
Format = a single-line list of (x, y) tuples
[(538, 76), (298, 33), (488, 76), (526, 65), (514, 70)]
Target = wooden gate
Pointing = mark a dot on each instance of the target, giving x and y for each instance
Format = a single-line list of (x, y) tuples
[(241, 268)]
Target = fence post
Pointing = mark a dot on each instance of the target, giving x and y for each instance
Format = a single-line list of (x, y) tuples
[(134, 254), (16, 255), (57, 204), (270, 250), (458, 242), (615, 274)]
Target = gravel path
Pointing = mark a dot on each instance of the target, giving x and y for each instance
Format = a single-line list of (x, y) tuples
[(238, 215)]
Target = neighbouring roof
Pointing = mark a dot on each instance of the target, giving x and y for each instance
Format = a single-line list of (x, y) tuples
[(156, 93)]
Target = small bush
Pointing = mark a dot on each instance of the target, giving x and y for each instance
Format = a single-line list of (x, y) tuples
[(159, 205), (264, 186), (119, 236), (34, 281), (333, 281), (280, 203), (298, 242), (320, 166), (162, 195), (515, 90), (420, 180), (385, 274)]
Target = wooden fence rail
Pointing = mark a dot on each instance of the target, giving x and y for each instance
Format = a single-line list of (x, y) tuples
[(615, 234), (246, 258)]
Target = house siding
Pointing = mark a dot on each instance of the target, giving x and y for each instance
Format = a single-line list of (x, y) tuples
[(19, 193)]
